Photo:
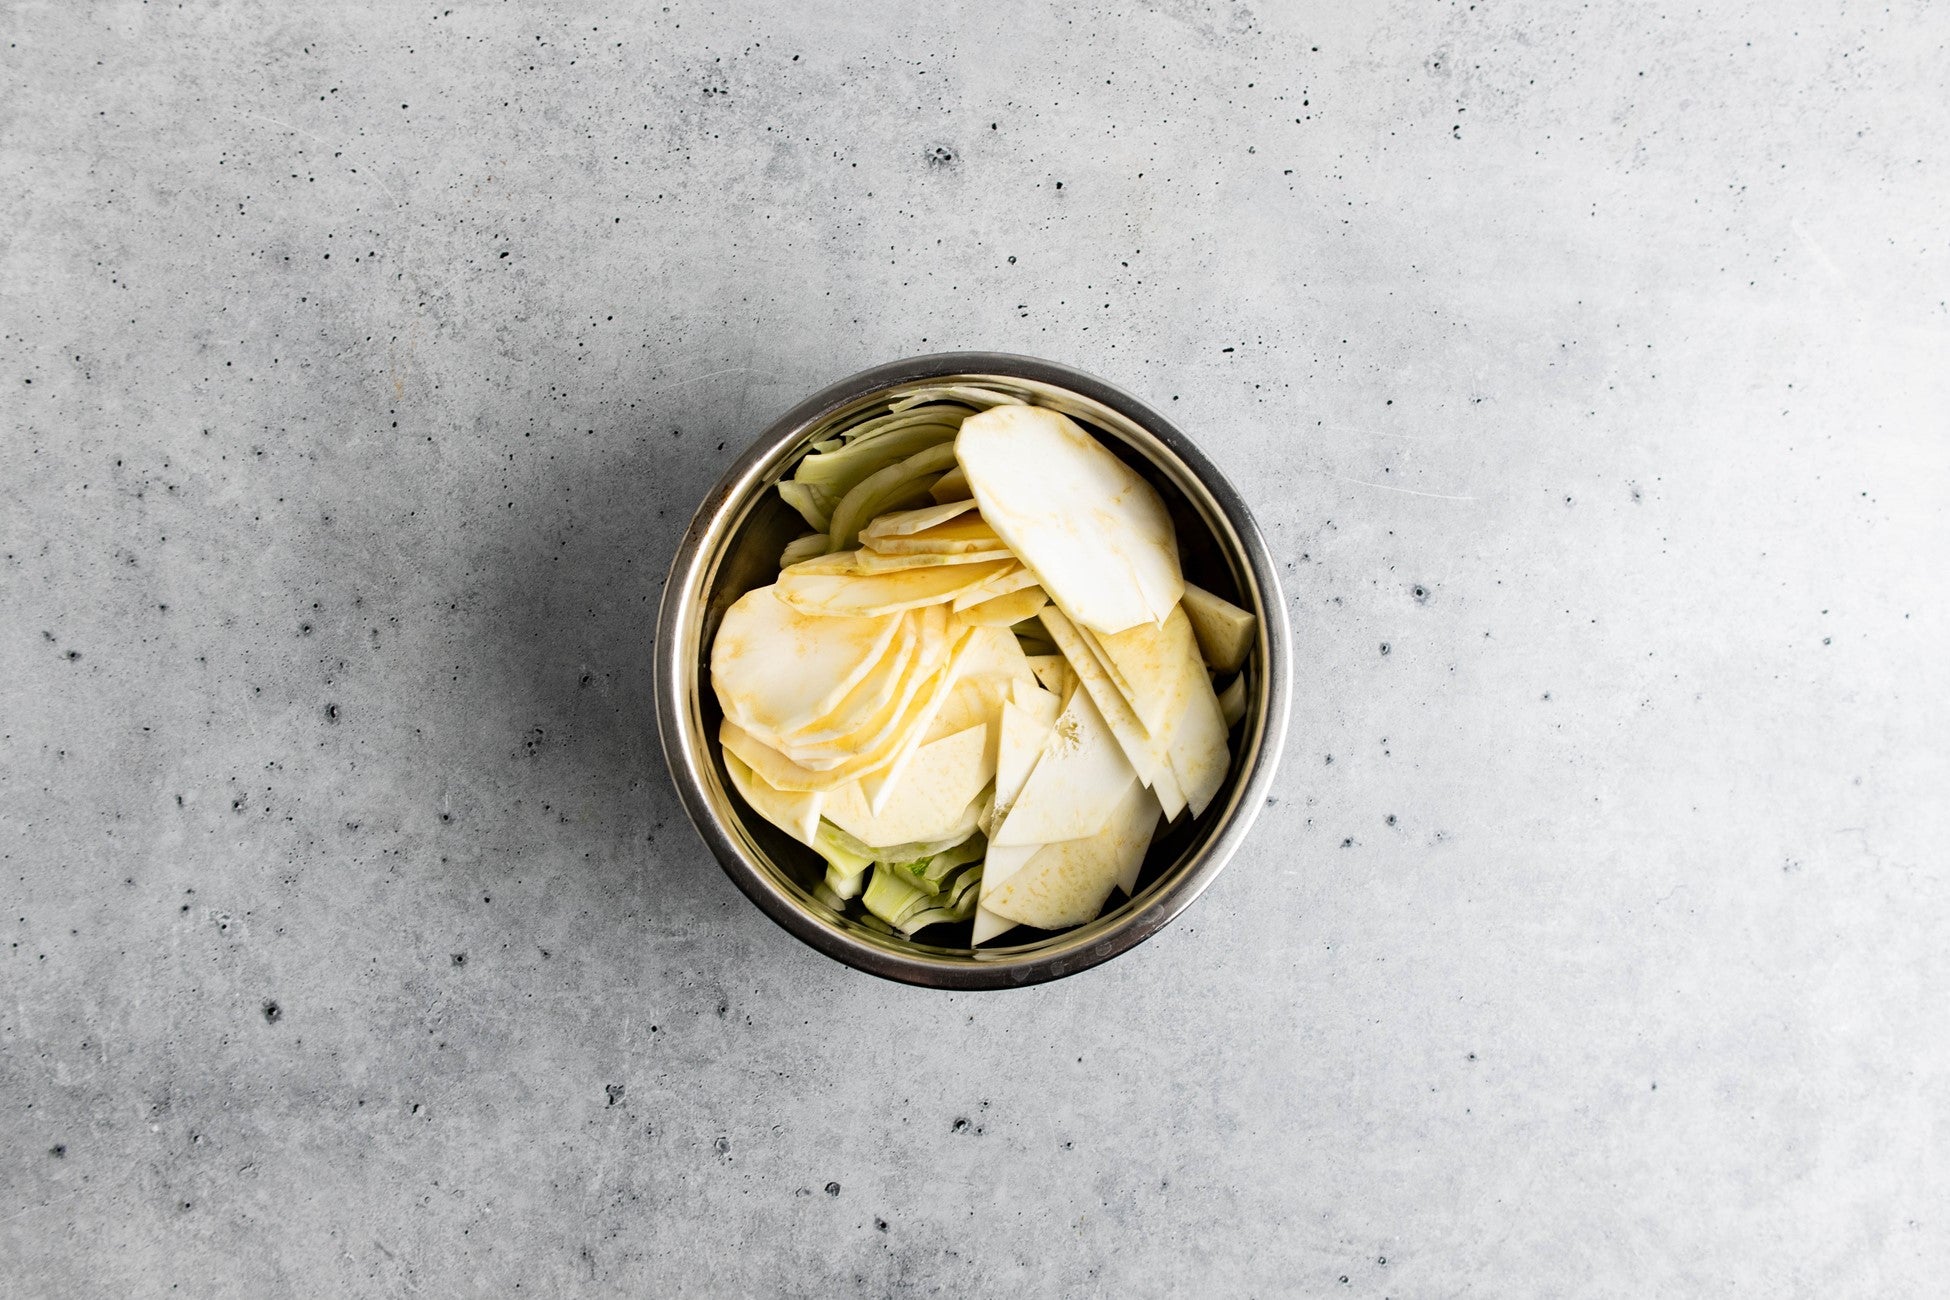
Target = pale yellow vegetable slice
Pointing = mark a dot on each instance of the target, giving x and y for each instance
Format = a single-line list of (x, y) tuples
[(779, 668), (952, 486), (862, 595), (794, 812), (1012, 579), (802, 548), (869, 698), (970, 532), (1053, 671), (1006, 611), (1232, 701), (991, 665), (1199, 757), (871, 561), (782, 772), (900, 523), (935, 799), (888, 777), (1026, 721), (1147, 753), (1096, 533), (825, 750), (1225, 631), (1153, 665), (1075, 784), (987, 924), (831, 739), (1066, 883), (994, 652)]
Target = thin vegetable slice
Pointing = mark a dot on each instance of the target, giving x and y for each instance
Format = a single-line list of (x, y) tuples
[(1006, 611), (1225, 631), (900, 523), (794, 812), (780, 668), (863, 595), (969, 532), (952, 486), (905, 482), (802, 548), (1095, 532), (1232, 701)]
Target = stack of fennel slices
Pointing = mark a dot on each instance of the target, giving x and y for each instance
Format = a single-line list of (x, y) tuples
[(980, 686)]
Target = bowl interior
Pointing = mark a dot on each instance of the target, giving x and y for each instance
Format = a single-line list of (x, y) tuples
[(756, 526)]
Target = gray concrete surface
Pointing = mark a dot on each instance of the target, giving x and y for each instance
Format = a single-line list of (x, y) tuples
[(1588, 368)]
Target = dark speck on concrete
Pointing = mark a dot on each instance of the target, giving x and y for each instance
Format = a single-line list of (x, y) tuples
[(273, 1013), (460, 958), (832, 1189), (331, 713), (1386, 648), (880, 1225), (59, 1151), (940, 156), (961, 1126), (73, 655), (614, 1092)]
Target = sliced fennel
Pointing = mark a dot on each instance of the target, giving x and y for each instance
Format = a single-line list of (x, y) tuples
[(900, 483)]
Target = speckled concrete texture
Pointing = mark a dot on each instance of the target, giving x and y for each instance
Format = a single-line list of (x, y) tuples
[(1587, 367)]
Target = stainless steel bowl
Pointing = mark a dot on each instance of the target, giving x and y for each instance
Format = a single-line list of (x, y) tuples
[(733, 545)]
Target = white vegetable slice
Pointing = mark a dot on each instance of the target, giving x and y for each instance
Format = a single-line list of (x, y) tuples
[(1007, 611), (1147, 753), (1001, 584), (870, 561), (780, 668), (802, 548), (1095, 532), (862, 595), (1053, 671), (1003, 861), (782, 773), (995, 652), (883, 779), (1154, 666), (1225, 631), (900, 523), (822, 751), (794, 812), (1232, 701), (1076, 783), (1066, 883), (936, 799), (970, 532), (1199, 757), (988, 925), (1025, 725)]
